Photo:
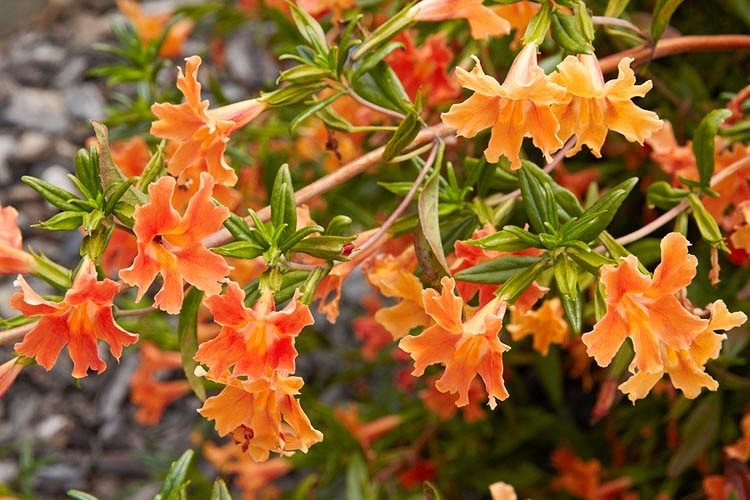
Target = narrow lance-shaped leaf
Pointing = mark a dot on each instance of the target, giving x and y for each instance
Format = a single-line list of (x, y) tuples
[(496, 271), (429, 222), (570, 32), (534, 198), (187, 331), (405, 133), (176, 481), (537, 29), (519, 282), (219, 491), (707, 225), (508, 239), (566, 278), (662, 195), (663, 11), (283, 206), (703, 144), (598, 216)]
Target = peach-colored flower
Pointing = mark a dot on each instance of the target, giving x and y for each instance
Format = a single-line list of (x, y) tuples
[(10, 370), (171, 244), (252, 478), (740, 450), (393, 277), (13, 260), (78, 321), (252, 343), (518, 14), (201, 133), (318, 8), (424, 68), (466, 347), (645, 309), (686, 366), (147, 391), (365, 432), (263, 416), (545, 324), (443, 404), (130, 155), (502, 491), (520, 107), (483, 21), (151, 27), (595, 107)]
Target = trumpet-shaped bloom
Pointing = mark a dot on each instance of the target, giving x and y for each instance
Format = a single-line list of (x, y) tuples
[(365, 432), (686, 366), (9, 371), (13, 260), (596, 107), (546, 325), (466, 348), (78, 321), (393, 279), (262, 416), (152, 26), (201, 133), (171, 244), (646, 310), (520, 107), (252, 342), (254, 479), (147, 391), (483, 21)]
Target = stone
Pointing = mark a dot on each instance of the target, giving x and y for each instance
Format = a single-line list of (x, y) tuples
[(38, 109), (7, 147), (85, 102), (31, 146)]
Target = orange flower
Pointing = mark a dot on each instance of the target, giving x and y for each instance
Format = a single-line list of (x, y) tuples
[(545, 324), (252, 478), (9, 371), (583, 479), (443, 404), (252, 342), (519, 15), (152, 26), (78, 321), (483, 21), (365, 432), (13, 260), (263, 416), (147, 391), (686, 366), (371, 333), (171, 244), (740, 450), (319, 8), (520, 107), (130, 155), (466, 348), (646, 309), (595, 107), (389, 275), (425, 68), (202, 133)]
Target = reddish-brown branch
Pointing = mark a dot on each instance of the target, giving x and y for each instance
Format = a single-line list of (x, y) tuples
[(677, 45)]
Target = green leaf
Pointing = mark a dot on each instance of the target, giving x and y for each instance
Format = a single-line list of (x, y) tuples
[(283, 206), (304, 74), (429, 221), (310, 29), (615, 7), (87, 172), (703, 143), (519, 282), (663, 11), (588, 259), (385, 32), (241, 249), (80, 495), (108, 171), (59, 197), (220, 491), (312, 109), (535, 199), (707, 225), (496, 271), (566, 278), (698, 432), (430, 491), (598, 216), (508, 239), (291, 94), (187, 331), (63, 221), (298, 236), (537, 28), (175, 483), (323, 247), (404, 135), (572, 32), (662, 195), (381, 86)]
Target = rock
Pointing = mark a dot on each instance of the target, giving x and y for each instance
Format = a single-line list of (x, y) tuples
[(7, 147), (85, 102), (246, 62), (31, 146), (53, 430), (73, 71), (38, 109)]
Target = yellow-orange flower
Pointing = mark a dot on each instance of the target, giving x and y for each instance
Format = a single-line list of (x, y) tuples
[(520, 107), (151, 27), (147, 391), (466, 348), (389, 275), (263, 416), (78, 321), (252, 343), (518, 14), (10, 370), (545, 324), (686, 367), (583, 479), (13, 260), (483, 21), (251, 477), (595, 107), (201, 133), (171, 244), (365, 432), (645, 309)]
